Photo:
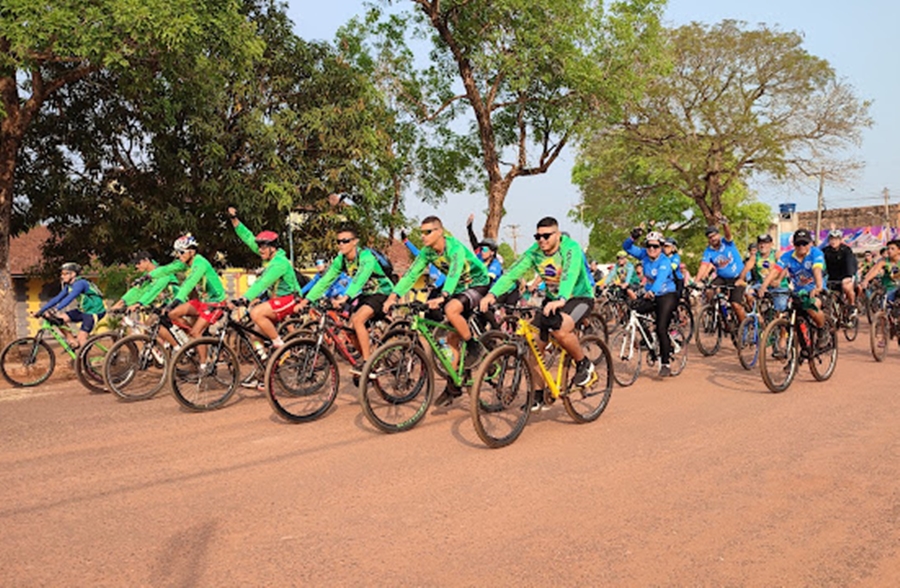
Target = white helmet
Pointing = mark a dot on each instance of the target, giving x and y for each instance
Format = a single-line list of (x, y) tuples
[(654, 236), (184, 243)]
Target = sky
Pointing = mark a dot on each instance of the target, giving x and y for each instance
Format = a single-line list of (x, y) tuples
[(857, 38)]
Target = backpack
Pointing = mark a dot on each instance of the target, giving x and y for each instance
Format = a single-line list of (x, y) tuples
[(386, 266)]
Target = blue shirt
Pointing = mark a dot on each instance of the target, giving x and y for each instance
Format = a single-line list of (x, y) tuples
[(338, 288), (78, 289), (800, 271), (726, 259), (676, 267), (660, 279)]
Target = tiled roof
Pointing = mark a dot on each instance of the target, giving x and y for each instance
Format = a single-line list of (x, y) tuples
[(25, 255)]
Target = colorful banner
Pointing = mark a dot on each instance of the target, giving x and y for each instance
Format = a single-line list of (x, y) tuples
[(859, 239)]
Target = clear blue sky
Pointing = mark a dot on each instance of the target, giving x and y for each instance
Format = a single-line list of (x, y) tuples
[(858, 38)]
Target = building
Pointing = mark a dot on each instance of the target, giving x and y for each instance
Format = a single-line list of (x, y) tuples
[(865, 228)]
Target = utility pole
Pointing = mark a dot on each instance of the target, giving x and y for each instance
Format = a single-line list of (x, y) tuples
[(514, 233), (820, 205), (887, 215)]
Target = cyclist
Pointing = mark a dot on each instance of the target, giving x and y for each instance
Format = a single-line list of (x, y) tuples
[(759, 266), (670, 250), (621, 275), (867, 264), (368, 289), (145, 290), (337, 288), (90, 302), (467, 282), (840, 265), (199, 273), (486, 250), (278, 280), (435, 276), (660, 294), (889, 268), (722, 255), (805, 267), (560, 263)]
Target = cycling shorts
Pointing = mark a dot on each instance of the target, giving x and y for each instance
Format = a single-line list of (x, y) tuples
[(282, 306), (87, 320), (373, 301), (577, 308), (737, 292), (208, 312)]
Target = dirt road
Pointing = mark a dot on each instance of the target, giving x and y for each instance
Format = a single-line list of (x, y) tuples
[(701, 480)]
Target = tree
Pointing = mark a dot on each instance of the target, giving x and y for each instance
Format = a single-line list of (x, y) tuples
[(528, 73), (734, 104), (47, 47)]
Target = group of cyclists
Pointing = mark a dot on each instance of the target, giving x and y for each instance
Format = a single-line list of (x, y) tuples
[(465, 280)]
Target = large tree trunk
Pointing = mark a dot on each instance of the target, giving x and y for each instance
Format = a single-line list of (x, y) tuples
[(9, 147), (496, 197)]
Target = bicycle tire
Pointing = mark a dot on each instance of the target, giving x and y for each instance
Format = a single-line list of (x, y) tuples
[(679, 357), (132, 371), (851, 325), (748, 342), (685, 317), (820, 372), (626, 349), (709, 331), (585, 404), (27, 362), (772, 347), (292, 381), (500, 415), (201, 387), (879, 337), (398, 373), (90, 360)]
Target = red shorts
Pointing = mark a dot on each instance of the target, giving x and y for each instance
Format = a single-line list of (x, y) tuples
[(208, 312), (283, 306)]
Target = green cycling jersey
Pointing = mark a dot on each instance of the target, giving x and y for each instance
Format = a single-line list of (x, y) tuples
[(364, 270), (200, 275), (462, 267), (148, 292), (563, 272), (278, 275)]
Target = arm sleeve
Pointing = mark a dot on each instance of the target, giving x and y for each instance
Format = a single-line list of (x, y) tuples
[(508, 280), (632, 249), (134, 294), (473, 238), (334, 270), (247, 237), (190, 282), (309, 285), (629, 272), (168, 270), (457, 265), (78, 288), (412, 247), (52, 302), (265, 281), (155, 289), (367, 265), (412, 274)]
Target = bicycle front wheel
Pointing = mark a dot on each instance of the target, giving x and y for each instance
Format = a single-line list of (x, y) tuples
[(851, 324), (501, 396), (586, 403), (396, 386), (748, 342), (879, 336), (824, 354), (679, 356), (302, 380), (626, 356), (27, 362), (135, 368), (90, 360), (684, 316), (709, 331), (204, 374), (779, 353)]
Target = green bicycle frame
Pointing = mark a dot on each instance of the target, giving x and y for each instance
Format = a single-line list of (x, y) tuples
[(424, 327), (58, 335)]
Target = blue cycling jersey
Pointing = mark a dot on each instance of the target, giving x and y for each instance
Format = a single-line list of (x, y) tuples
[(660, 279), (726, 259), (800, 271)]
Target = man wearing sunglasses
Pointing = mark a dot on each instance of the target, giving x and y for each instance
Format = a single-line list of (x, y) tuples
[(368, 289), (466, 283), (723, 256), (560, 263), (805, 267)]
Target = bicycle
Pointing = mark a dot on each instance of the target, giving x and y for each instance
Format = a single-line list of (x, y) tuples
[(715, 319), (612, 306), (92, 355), (835, 303), (397, 383), (30, 361), (639, 333), (885, 326), (756, 320), (502, 391), (137, 365), (789, 341)]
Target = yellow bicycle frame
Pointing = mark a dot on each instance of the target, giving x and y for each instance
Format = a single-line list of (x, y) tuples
[(528, 331)]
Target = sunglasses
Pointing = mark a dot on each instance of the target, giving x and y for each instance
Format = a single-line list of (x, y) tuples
[(801, 243), (543, 236), (428, 231), (652, 245), (344, 241)]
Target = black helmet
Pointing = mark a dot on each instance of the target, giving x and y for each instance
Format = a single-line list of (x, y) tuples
[(71, 266), (764, 238)]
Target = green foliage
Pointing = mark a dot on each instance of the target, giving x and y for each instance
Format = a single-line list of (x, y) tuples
[(113, 280), (505, 251)]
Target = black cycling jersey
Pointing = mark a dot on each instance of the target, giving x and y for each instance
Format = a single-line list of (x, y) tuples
[(840, 262)]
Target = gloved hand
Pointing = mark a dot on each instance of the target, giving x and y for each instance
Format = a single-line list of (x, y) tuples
[(403, 236), (636, 233)]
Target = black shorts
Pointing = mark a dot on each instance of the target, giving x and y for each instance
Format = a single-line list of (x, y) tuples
[(737, 292), (577, 308), (471, 298), (373, 301)]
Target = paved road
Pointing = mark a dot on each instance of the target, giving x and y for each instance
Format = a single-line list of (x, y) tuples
[(701, 480)]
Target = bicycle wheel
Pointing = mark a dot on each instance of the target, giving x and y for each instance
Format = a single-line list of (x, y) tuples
[(397, 384), (90, 360), (879, 336), (626, 356), (302, 380), (291, 328), (135, 367), (204, 374), (685, 318), (594, 324), (825, 354), (679, 357), (586, 403), (748, 341), (501, 396), (709, 331), (27, 362), (778, 355), (850, 323)]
